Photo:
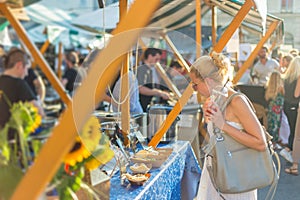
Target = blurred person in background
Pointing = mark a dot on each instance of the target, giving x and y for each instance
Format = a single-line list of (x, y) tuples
[(291, 102), (13, 85), (36, 84), (274, 95), (264, 67), (148, 79)]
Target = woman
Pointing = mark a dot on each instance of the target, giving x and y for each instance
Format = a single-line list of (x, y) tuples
[(238, 121), (274, 95), (291, 101)]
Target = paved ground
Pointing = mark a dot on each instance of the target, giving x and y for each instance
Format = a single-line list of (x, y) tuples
[(288, 187)]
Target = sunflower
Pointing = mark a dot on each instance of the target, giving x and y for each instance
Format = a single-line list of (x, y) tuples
[(77, 154), (91, 134)]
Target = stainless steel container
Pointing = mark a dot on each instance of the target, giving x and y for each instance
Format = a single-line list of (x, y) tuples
[(157, 115), (141, 119)]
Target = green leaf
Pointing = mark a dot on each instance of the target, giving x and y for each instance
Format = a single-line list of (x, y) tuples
[(10, 176)]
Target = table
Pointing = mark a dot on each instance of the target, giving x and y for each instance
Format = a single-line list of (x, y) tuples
[(177, 178)]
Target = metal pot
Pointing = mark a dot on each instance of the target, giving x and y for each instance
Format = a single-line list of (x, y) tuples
[(157, 115)]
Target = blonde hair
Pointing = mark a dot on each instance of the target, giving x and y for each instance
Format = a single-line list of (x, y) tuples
[(274, 86), (215, 67), (293, 71)]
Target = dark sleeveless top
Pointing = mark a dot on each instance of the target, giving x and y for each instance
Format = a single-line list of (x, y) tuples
[(289, 89)]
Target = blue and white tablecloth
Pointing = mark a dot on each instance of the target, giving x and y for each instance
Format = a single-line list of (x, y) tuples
[(177, 178)]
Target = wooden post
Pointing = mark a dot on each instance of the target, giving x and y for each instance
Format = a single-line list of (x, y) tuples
[(198, 29), (60, 59), (63, 136), (176, 52), (167, 80), (254, 53), (235, 23), (125, 107), (214, 25)]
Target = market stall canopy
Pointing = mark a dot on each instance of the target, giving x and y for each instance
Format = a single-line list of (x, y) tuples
[(253, 20), (175, 14), (55, 25)]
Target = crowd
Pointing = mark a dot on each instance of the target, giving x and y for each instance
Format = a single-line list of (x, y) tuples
[(280, 76), (278, 73)]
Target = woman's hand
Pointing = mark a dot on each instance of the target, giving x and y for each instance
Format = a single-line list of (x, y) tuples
[(213, 113)]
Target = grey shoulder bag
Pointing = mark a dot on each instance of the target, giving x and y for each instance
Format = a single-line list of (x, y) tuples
[(236, 168)]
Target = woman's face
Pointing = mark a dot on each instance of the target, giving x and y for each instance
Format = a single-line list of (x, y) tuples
[(199, 85)]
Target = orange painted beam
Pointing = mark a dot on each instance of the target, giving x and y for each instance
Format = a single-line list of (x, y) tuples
[(125, 107), (176, 52), (125, 97), (198, 29), (214, 25), (42, 50), (235, 23), (38, 57), (74, 117), (167, 80), (60, 59), (254, 53)]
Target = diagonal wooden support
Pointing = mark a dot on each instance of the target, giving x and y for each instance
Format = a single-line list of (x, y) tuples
[(43, 49), (235, 23), (176, 52), (172, 116), (85, 98), (167, 80), (254, 53), (35, 53)]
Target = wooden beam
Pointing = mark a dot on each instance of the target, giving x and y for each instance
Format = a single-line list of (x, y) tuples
[(235, 23), (73, 119), (60, 59), (123, 4), (125, 96), (43, 49), (167, 80), (125, 107), (249, 61), (45, 46), (214, 25), (172, 116), (176, 52), (35, 53), (198, 29)]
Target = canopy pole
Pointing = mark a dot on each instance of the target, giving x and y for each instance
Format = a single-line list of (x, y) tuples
[(60, 59), (198, 29), (214, 25), (35, 53), (167, 80), (236, 22), (63, 136), (125, 107), (254, 53), (43, 49)]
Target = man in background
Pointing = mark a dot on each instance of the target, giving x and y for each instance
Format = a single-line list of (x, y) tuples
[(13, 85), (264, 67), (148, 79)]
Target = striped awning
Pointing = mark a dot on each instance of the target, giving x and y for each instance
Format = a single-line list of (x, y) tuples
[(175, 14)]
